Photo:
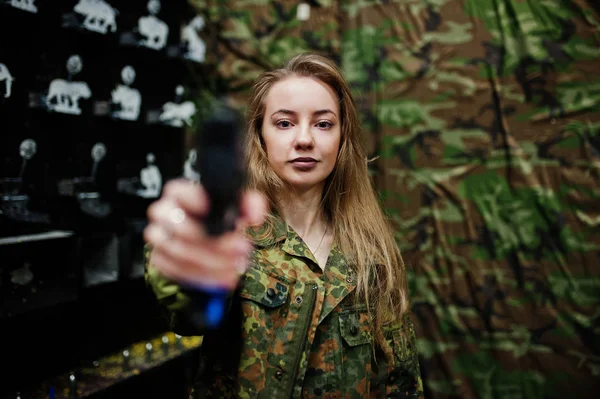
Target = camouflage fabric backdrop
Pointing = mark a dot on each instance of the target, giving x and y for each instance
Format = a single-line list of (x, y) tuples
[(485, 117)]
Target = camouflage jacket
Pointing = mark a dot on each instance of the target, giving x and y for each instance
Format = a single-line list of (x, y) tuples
[(295, 331)]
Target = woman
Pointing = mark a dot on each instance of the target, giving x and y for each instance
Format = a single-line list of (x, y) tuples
[(323, 305)]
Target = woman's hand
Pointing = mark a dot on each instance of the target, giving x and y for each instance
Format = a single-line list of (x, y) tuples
[(183, 252)]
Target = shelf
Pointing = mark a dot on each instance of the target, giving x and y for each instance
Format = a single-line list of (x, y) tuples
[(47, 235), (116, 368)]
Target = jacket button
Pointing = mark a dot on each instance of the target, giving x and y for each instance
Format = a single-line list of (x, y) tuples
[(298, 299), (353, 330), (279, 374), (270, 292)]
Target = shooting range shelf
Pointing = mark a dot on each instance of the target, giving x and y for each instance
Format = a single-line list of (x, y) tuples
[(118, 367)]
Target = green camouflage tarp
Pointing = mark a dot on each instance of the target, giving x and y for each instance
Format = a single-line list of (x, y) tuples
[(485, 117)]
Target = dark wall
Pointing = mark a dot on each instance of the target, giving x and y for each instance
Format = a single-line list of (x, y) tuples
[(71, 263)]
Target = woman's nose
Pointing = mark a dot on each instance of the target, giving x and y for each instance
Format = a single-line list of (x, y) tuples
[(304, 137)]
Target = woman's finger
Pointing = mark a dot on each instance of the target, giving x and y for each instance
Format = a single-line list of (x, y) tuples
[(155, 235), (176, 221), (188, 195), (227, 254)]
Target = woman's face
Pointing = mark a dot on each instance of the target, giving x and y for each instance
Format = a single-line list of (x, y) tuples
[(301, 131)]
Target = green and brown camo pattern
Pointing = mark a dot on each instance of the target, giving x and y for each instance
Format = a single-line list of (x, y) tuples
[(485, 117), (302, 333)]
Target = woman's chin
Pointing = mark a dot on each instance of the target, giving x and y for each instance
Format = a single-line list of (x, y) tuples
[(304, 184)]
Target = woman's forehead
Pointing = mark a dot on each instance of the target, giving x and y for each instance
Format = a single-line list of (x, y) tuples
[(299, 94)]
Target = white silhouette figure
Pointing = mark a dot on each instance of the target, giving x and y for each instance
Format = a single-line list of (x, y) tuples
[(67, 95), (154, 30), (98, 153), (90, 202), (189, 166), (150, 178), (129, 99), (13, 201), (6, 76), (25, 5), (27, 150), (175, 114), (63, 96), (99, 15), (196, 48)]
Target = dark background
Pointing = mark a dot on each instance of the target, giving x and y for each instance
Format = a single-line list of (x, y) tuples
[(86, 299)]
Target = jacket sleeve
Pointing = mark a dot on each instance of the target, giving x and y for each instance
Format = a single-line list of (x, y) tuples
[(172, 301), (405, 379)]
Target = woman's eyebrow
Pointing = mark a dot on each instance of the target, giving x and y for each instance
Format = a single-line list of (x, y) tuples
[(324, 111), (284, 111), (316, 113)]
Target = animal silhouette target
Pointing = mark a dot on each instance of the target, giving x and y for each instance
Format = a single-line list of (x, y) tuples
[(7, 78), (150, 178), (25, 5), (99, 15), (196, 48), (154, 32), (64, 95), (176, 113), (127, 99)]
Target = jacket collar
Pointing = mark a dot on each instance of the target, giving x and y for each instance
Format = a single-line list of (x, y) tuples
[(280, 232), (292, 242)]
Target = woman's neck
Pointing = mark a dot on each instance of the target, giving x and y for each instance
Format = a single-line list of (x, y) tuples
[(303, 212)]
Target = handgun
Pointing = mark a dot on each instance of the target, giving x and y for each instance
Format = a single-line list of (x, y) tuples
[(220, 164)]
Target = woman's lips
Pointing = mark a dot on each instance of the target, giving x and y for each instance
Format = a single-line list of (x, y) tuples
[(304, 163)]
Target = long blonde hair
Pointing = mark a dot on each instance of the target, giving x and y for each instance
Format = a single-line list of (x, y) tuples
[(360, 228)]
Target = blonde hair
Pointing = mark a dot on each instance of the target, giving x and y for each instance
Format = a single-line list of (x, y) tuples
[(360, 228)]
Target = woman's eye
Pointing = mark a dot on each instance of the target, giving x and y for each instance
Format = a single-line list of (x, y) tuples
[(284, 124), (324, 125)]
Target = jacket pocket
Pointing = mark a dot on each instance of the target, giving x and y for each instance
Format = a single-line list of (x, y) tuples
[(404, 342), (354, 327), (357, 350), (264, 300), (263, 288)]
